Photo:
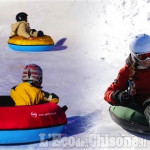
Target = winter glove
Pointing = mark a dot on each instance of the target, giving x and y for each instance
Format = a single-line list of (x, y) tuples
[(51, 97), (122, 97)]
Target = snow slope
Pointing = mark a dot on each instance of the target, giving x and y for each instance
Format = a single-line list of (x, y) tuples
[(97, 35)]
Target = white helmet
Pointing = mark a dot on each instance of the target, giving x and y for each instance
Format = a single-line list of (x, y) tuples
[(32, 72), (140, 45)]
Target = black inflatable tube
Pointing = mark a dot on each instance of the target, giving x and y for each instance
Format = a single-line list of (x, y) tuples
[(130, 125)]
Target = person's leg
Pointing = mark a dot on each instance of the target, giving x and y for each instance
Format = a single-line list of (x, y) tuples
[(135, 106)]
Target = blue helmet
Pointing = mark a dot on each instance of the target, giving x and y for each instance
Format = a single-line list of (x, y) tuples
[(140, 45)]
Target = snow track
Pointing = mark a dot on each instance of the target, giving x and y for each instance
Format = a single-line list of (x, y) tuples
[(93, 38)]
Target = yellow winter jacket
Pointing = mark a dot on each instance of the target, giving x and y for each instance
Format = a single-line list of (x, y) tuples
[(26, 94), (22, 28)]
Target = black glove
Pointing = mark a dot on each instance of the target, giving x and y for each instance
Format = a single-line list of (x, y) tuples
[(122, 97), (53, 95)]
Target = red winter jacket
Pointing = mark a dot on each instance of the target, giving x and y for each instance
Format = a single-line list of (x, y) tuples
[(142, 84)]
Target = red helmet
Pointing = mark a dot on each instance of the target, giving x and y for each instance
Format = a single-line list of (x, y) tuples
[(32, 72)]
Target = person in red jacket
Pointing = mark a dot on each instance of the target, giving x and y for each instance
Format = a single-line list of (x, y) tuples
[(132, 86)]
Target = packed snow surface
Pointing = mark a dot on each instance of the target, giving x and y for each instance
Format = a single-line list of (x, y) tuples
[(92, 42)]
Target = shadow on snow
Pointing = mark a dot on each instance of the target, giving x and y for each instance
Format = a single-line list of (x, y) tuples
[(80, 124), (60, 45)]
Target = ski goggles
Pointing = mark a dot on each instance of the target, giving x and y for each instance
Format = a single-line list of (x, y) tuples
[(142, 57)]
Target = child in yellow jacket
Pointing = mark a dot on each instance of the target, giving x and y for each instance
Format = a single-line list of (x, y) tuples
[(30, 92), (22, 27)]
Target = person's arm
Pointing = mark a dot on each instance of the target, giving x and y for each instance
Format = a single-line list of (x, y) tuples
[(119, 85), (23, 31)]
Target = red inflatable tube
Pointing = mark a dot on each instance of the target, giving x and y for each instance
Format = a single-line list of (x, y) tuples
[(31, 117)]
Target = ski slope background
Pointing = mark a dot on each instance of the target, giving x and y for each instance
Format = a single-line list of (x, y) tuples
[(98, 33)]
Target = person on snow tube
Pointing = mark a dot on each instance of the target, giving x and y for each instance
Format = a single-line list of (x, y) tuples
[(22, 27), (132, 86), (30, 92)]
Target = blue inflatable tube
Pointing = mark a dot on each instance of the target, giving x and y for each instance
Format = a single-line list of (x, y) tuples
[(11, 137), (31, 48)]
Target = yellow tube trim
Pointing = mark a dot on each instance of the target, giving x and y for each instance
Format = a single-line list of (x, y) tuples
[(44, 40)]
